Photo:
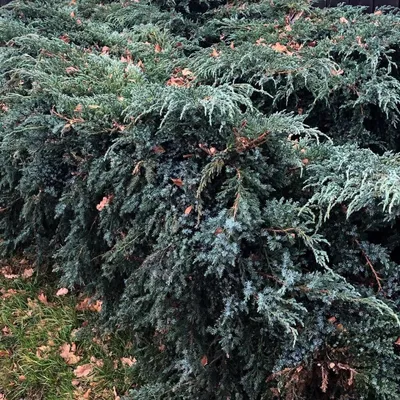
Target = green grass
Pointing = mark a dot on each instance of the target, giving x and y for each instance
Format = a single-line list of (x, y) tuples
[(31, 334)]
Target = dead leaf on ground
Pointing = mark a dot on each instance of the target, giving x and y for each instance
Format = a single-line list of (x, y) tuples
[(28, 273), (67, 353), (41, 352), (43, 298), (4, 354), (157, 48), (8, 293), (98, 362), (129, 361), (83, 371), (116, 397), (6, 331)]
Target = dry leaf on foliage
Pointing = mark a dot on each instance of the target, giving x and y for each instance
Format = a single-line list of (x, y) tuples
[(186, 72), (157, 48), (78, 108), (204, 361), (260, 42), (177, 181), (215, 53), (176, 81), (188, 210), (105, 50), (71, 70), (83, 370), (336, 72), (43, 298), (88, 305), (158, 149), (67, 353), (129, 361), (62, 292), (104, 202), (280, 48), (343, 20)]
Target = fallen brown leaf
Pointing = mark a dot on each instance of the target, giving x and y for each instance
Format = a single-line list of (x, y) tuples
[(83, 370), (4, 354), (129, 361), (98, 362), (28, 273), (67, 353), (43, 298)]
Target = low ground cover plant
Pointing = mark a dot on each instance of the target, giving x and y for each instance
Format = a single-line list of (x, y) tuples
[(224, 176)]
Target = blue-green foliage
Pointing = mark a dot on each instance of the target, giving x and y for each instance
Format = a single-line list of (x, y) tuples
[(223, 176)]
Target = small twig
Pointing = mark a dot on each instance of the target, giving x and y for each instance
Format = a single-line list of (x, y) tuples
[(369, 263)]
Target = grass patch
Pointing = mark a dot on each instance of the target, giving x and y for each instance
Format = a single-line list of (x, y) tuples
[(48, 350)]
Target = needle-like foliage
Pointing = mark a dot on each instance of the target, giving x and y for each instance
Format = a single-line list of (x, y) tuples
[(224, 176)]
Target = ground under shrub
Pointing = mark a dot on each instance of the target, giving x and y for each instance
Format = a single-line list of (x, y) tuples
[(223, 176)]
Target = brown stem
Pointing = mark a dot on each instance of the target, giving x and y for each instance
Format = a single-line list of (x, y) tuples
[(377, 278)]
